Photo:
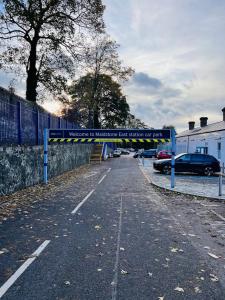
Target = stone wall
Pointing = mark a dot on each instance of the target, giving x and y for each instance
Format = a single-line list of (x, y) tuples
[(22, 166)]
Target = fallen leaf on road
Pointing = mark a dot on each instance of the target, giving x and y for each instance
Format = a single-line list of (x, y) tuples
[(213, 278), (99, 270), (150, 274), (2, 252), (174, 250), (123, 272), (161, 298), (67, 283), (197, 290), (167, 259), (213, 255), (179, 289), (97, 227), (122, 249)]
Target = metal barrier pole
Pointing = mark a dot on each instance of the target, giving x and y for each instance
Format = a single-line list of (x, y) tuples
[(19, 122), (143, 160), (173, 139), (220, 179), (45, 155)]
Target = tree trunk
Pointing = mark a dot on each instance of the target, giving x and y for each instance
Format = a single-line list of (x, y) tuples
[(90, 119), (32, 78), (97, 124)]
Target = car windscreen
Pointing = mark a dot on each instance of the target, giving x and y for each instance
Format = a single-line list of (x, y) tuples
[(179, 155)]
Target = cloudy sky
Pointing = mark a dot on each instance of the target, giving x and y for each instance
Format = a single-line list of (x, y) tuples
[(177, 48)]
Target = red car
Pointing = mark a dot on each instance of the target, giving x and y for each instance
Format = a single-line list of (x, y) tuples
[(164, 154)]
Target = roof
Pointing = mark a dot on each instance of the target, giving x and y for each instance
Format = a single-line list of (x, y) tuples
[(219, 126)]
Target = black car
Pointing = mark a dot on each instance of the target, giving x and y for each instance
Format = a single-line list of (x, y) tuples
[(190, 163), (149, 153)]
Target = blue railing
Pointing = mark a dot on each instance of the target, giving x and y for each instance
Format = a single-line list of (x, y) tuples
[(23, 124)]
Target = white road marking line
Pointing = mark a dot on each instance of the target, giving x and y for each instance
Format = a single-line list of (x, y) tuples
[(102, 179), (115, 278), (218, 215), (209, 205), (145, 175), (109, 170), (82, 202), (4, 288)]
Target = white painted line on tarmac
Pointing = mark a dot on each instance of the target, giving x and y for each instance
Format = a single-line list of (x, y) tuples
[(145, 175), (4, 288), (209, 205), (116, 266), (102, 179), (82, 202), (218, 215)]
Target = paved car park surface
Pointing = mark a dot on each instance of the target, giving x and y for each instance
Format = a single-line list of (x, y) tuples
[(111, 235), (204, 186)]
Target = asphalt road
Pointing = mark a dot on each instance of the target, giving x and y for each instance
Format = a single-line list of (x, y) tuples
[(109, 235)]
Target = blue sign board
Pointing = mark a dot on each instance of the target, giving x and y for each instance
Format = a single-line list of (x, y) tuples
[(109, 133)]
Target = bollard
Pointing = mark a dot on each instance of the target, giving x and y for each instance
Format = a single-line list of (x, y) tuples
[(143, 160), (221, 179), (45, 155)]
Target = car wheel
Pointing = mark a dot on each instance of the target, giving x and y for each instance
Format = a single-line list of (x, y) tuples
[(167, 170), (208, 171)]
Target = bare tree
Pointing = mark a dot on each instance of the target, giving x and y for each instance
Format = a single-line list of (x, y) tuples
[(102, 58)]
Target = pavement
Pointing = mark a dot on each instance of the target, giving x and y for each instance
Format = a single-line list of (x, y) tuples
[(192, 184), (110, 234)]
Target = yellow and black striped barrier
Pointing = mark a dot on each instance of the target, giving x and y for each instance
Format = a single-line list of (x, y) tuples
[(70, 140)]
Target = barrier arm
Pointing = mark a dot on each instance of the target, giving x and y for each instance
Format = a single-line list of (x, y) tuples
[(46, 134), (173, 139)]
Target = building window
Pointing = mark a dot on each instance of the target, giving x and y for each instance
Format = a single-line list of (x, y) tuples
[(219, 150), (202, 150)]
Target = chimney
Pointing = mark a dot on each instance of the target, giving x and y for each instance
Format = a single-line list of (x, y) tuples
[(223, 110), (191, 125), (203, 121)]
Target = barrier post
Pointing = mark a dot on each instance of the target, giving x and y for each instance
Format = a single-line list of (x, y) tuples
[(19, 122), (220, 179), (45, 155), (173, 139)]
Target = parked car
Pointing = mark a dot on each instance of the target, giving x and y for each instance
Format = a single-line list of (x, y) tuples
[(116, 153), (187, 162), (149, 153), (164, 154), (125, 151)]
